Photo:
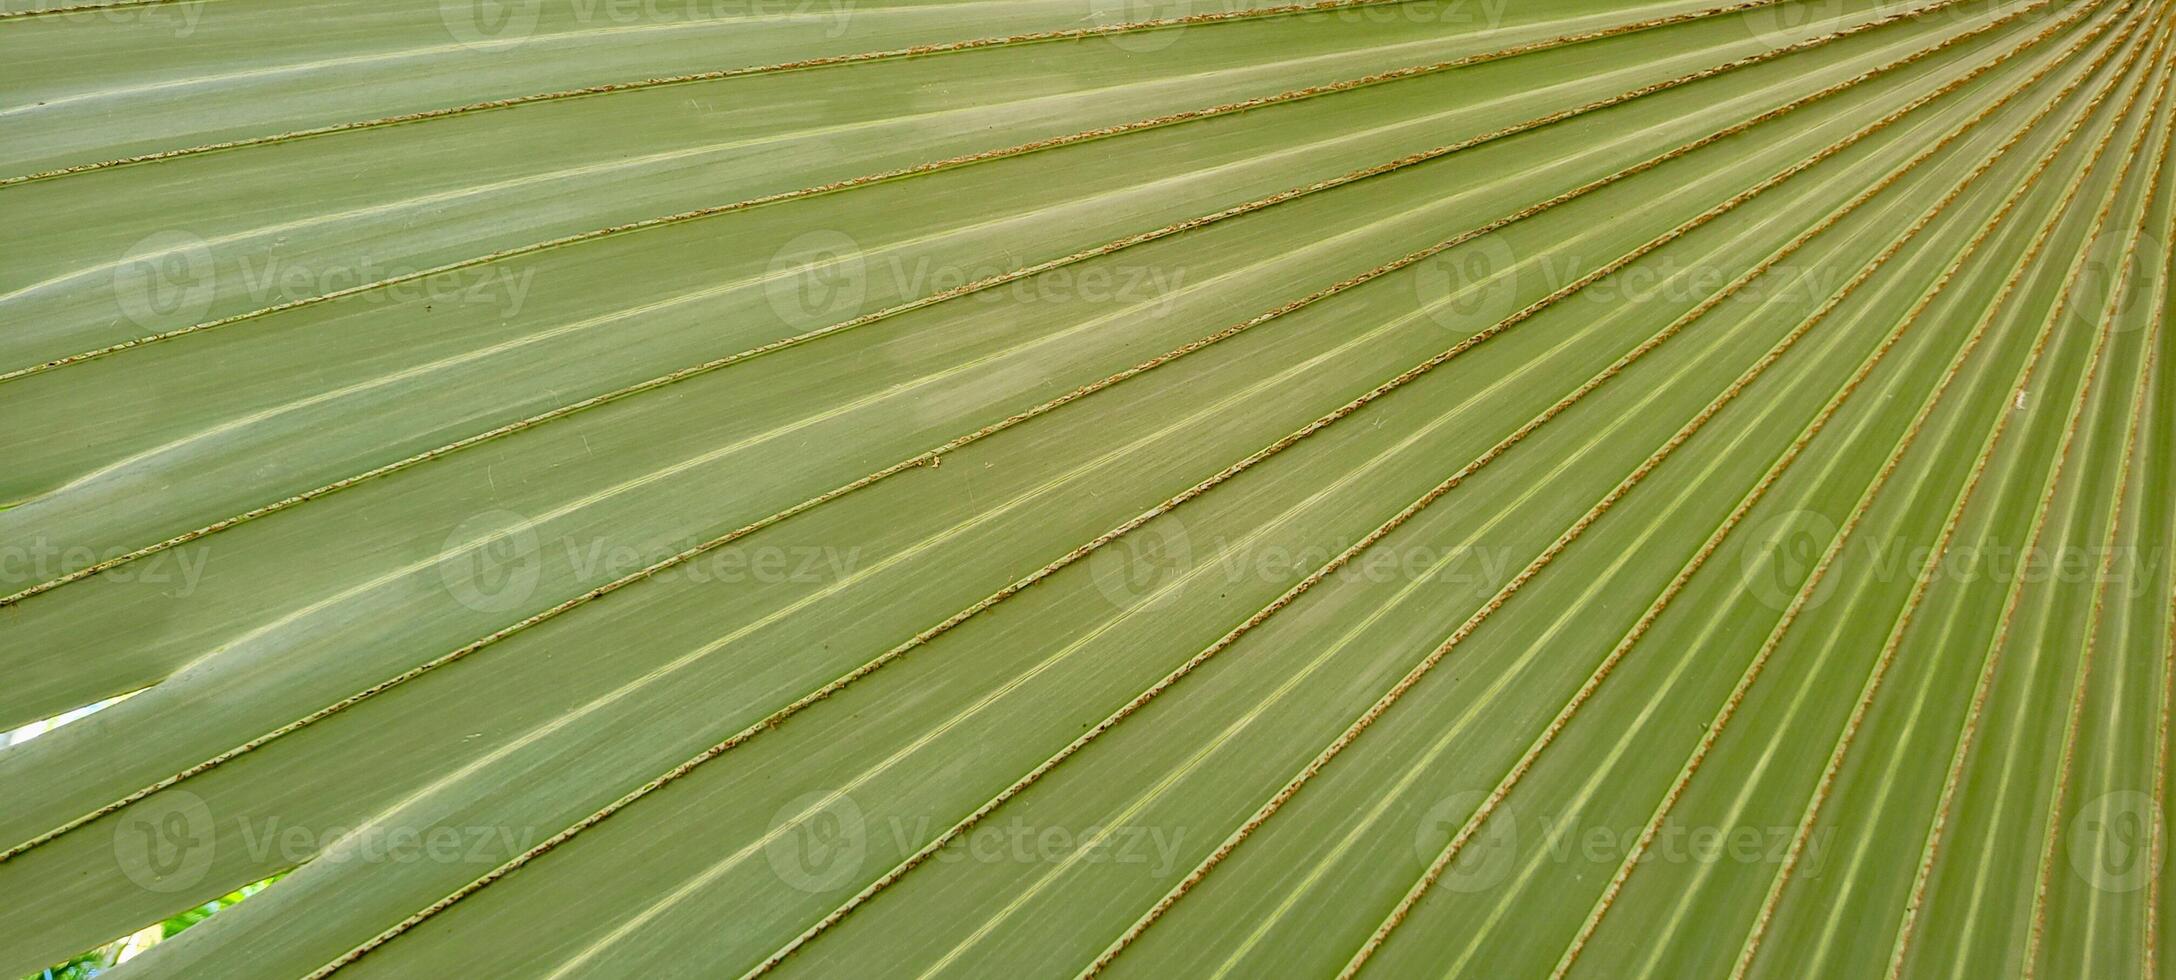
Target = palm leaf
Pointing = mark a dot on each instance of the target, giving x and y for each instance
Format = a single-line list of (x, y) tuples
[(1056, 487)]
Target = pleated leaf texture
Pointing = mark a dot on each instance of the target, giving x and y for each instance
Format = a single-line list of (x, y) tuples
[(981, 488)]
